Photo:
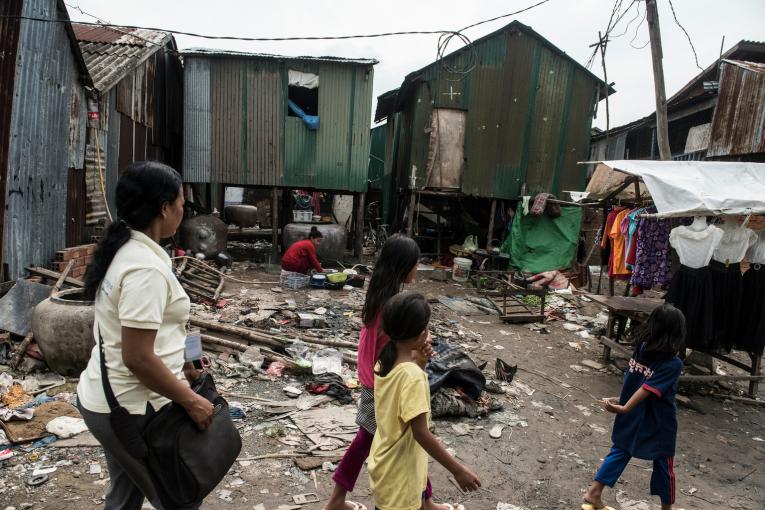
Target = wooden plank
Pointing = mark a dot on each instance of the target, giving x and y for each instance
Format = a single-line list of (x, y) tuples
[(54, 275), (615, 346), (522, 318)]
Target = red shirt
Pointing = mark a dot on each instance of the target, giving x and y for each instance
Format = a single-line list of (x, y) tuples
[(301, 257), (371, 343)]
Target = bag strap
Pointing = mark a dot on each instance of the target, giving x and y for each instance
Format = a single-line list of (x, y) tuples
[(111, 399)]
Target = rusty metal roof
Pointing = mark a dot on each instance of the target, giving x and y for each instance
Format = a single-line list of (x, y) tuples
[(210, 52), (111, 53)]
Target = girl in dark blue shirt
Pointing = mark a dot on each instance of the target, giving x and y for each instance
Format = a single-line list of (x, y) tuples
[(646, 415)]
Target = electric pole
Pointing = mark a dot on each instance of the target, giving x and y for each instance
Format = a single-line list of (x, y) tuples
[(662, 131)]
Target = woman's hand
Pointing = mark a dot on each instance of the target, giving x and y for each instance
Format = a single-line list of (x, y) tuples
[(467, 480), (200, 410), (190, 372)]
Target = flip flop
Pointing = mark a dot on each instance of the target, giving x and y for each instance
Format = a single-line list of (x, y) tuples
[(590, 506), (356, 506), (452, 507)]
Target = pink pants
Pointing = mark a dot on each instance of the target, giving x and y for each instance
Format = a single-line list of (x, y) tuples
[(348, 470)]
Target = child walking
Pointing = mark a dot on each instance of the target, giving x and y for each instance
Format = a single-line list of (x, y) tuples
[(646, 415), (398, 463), (396, 266)]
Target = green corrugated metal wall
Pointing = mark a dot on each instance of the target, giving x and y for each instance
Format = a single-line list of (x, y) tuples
[(529, 113), (255, 142), (377, 156)]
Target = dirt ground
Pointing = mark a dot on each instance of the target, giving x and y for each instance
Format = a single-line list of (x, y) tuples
[(720, 460)]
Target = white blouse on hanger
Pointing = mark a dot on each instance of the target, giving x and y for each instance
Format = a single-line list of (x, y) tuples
[(736, 240), (695, 247), (756, 254)]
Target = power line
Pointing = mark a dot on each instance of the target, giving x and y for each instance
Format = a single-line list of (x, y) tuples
[(279, 39), (637, 31), (695, 56)]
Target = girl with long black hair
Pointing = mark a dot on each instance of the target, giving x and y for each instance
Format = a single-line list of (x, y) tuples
[(396, 266), (141, 312)]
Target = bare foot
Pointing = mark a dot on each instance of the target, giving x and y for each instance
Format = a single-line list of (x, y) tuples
[(593, 496), (431, 505)]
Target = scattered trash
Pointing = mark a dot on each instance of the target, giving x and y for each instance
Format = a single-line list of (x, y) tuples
[(276, 369), (310, 320), (292, 391), (583, 334), (592, 364), (496, 431), (304, 499), (579, 368), (327, 361), (328, 467), (597, 428), (508, 506), (225, 495), (94, 469), (66, 426), (572, 327)]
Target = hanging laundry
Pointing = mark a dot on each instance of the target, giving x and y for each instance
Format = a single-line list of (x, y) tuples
[(652, 253), (618, 265)]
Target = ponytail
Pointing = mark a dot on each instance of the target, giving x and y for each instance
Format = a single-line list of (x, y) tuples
[(117, 235), (142, 189), (404, 317)]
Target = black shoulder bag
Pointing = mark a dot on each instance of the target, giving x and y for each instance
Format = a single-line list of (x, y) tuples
[(185, 463)]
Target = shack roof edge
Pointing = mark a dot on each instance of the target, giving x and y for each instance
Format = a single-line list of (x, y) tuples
[(213, 53), (513, 25)]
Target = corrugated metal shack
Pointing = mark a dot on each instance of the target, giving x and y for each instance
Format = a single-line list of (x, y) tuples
[(238, 129), (718, 115), (42, 122), (515, 123), (137, 76)]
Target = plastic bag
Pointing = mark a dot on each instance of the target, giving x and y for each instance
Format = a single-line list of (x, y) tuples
[(328, 361), (300, 353)]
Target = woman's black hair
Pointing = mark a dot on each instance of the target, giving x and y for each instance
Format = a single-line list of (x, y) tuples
[(398, 257), (663, 335), (142, 189), (315, 234), (404, 316)]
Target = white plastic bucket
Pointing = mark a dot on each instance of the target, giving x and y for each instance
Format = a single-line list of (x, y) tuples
[(461, 269)]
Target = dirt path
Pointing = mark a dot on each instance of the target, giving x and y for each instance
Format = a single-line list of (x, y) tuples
[(546, 465)]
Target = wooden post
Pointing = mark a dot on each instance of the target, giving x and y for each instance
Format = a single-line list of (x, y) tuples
[(358, 239), (492, 214), (274, 225), (662, 129), (410, 213), (756, 367)]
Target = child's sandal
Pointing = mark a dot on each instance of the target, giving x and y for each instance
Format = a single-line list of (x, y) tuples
[(452, 507), (590, 506)]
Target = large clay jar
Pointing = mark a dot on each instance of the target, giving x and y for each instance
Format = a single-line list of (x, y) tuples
[(242, 215), (63, 328), (205, 234)]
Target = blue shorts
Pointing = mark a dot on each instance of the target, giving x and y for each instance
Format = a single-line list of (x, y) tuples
[(662, 478)]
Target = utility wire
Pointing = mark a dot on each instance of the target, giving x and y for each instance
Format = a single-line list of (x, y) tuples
[(695, 56), (637, 31), (278, 39)]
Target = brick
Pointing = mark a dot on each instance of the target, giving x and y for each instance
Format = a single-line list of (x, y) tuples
[(63, 255)]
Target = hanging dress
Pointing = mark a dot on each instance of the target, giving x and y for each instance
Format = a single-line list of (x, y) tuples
[(727, 283), (691, 287), (751, 331)]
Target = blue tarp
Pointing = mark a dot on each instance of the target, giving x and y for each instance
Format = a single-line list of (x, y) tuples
[(311, 121)]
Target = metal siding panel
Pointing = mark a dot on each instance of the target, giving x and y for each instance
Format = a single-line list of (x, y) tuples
[(227, 121), (377, 156), (497, 115), (264, 123), (738, 125), (46, 75), (334, 133), (197, 139), (360, 129), (422, 109), (577, 148), (300, 153), (112, 148)]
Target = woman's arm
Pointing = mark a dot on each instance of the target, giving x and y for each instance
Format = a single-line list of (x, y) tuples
[(637, 397), (313, 259), (466, 479), (139, 357)]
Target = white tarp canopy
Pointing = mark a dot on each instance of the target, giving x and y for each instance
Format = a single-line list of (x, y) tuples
[(699, 188), (301, 79)]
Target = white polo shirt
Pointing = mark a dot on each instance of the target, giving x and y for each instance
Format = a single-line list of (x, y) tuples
[(139, 291)]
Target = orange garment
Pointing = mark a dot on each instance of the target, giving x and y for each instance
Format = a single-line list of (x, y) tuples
[(618, 255)]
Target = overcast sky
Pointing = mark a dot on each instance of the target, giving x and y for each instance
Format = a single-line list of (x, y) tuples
[(571, 25)]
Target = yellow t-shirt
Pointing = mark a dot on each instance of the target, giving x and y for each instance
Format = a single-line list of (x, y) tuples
[(139, 291), (398, 465)]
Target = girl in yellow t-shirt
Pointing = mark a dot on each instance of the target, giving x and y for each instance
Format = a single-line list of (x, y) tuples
[(398, 461)]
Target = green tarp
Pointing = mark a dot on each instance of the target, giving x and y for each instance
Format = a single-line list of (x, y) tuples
[(541, 243)]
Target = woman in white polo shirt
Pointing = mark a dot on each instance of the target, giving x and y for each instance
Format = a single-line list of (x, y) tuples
[(141, 312)]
